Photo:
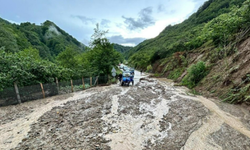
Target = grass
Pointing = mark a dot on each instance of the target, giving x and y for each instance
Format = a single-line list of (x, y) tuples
[(175, 74), (239, 95)]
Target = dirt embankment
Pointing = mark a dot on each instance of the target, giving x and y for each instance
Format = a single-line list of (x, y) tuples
[(229, 73), (226, 72)]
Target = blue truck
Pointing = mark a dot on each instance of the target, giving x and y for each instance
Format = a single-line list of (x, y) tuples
[(127, 77)]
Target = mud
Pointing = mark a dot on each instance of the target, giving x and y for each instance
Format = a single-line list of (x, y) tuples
[(76, 125), (153, 114), (11, 113), (233, 139)]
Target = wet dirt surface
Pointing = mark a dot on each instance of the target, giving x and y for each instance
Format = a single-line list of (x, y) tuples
[(10, 113), (153, 114)]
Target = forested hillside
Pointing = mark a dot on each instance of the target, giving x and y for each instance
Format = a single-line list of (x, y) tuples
[(31, 54), (122, 49), (48, 38), (204, 25), (191, 51)]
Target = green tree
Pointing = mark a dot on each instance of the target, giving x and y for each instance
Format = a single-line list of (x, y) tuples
[(13, 69), (67, 58), (102, 54)]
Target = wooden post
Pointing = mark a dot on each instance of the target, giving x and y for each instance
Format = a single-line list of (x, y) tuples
[(90, 81), (83, 84), (17, 93), (42, 90), (96, 81), (57, 85), (72, 87)]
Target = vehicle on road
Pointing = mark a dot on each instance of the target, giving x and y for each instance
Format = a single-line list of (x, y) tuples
[(127, 78), (121, 66), (132, 71), (125, 68)]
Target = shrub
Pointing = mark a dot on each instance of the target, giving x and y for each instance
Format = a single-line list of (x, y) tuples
[(195, 74), (175, 74), (149, 68)]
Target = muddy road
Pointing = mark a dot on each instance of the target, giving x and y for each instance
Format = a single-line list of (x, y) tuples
[(153, 114)]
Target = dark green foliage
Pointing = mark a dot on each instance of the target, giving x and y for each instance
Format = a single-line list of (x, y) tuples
[(27, 67), (67, 58), (8, 40), (217, 21), (102, 56), (48, 38), (196, 73), (28, 51), (16, 67), (122, 49), (31, 54)]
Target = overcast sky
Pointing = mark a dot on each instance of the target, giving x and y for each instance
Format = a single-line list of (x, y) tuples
[(129, 22)]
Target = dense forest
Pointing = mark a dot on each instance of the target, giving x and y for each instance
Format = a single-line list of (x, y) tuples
[(31, 54), (122, 49), (198, 52), (47, 38)]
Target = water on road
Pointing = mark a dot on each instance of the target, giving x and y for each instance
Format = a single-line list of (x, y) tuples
[(152, 114)]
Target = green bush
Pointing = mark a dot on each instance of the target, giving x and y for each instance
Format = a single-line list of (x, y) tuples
[(87, 86), (78, 87), (195, 74), (149, 68), (175, 74)]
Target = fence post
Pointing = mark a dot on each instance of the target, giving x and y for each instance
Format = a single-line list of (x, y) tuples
[(57, 85), (83, 84), (42, 90), (72, 88), (96, 81), (90, 81), (17, 93)]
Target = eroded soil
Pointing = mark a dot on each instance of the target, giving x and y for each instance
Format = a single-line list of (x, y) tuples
[(153, 114)]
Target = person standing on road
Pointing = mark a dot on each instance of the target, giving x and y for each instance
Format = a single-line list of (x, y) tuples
[(120, 77)]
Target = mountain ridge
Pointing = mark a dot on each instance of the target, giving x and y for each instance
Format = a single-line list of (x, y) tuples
[(48, 38)]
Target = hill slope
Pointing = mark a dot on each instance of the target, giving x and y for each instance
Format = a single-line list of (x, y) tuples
[(122, 49), (216, 36), (48, 38), (181, 37)]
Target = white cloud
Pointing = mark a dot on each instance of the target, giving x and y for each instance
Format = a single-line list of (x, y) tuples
[(85, 19), (145, 20), (125, 41), (142, 18)]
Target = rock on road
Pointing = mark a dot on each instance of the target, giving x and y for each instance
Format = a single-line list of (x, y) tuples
[(153, 114)]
